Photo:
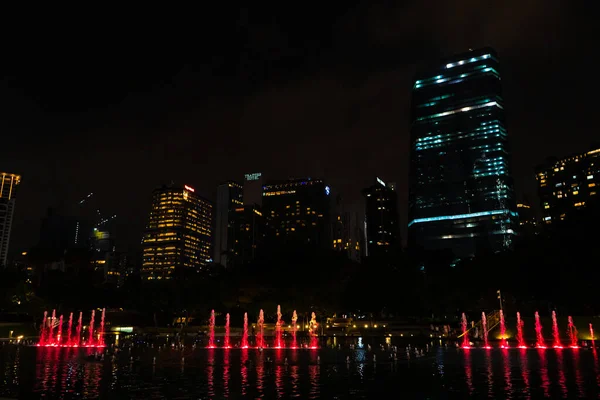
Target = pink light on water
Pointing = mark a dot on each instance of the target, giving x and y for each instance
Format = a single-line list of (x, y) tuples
[(69, 327), (48, 339), (592, 335), (485, 331), (78, 332), (540, 342), (555, 332), (226, 341), (260, 341), (91, 329), (313, 326), (43, 329), (101, 332), (211, 330), (503, 341), (278, 341), (245, 332), (572, 332), (465, 332), (294, 326)]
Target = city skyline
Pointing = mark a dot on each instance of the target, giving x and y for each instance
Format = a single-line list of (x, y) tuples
[(344, 111)]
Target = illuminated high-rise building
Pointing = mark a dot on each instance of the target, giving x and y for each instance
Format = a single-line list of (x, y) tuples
[(229, 198), (253, 189), (567, 185), (461, 190), (9, 184), (179, 233), (382, 227), (297, 212)]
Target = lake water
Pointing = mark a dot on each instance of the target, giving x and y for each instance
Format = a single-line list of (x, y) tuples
[(441, 373)]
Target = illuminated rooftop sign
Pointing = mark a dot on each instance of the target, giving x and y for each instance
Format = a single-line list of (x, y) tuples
[(191, 189), (253, 177), (382, 183)]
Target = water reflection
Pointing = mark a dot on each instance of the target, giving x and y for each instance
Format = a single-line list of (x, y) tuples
[(490, 373), (210, 372), (468, 371), (506, 363), (313, 372), (244, 370), (226, 373), (544, 372), (575, 365), (524, 372), (562, 382)]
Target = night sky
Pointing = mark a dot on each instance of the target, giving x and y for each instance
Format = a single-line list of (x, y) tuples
[(119, 107)]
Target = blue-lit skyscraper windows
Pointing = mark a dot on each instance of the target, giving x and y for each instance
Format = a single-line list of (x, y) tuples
[(461, 189)]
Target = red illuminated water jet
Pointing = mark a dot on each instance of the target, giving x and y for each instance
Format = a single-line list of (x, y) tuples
[(211, 330), (101, 333), (555, 332), (294, 326), (485, 331), (48, 339), (503, 341), (278, 341), (572, 332), (465, 333), (540, 342), (313, 332), (520, 340), (592, 335), (226, 340), (260, 339), (245, 332)]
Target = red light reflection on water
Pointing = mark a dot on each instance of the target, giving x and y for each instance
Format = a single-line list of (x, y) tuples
[(226, 373), (468, 371), (544, 372), (524, 371), (244, 370), (210, 374), (560, 366), (506, 362), (314, 372)]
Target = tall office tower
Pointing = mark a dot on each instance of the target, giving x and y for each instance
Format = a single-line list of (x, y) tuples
[(179, 233), (381, 221), (249, 235), (253, 189), (461, 190), (346, 232), (8, 189), (528, 225), (568, 184), (229, 198), (297, 212)]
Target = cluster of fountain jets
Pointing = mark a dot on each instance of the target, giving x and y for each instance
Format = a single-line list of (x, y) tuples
[(521, 344), (52, 334), (260, 343)]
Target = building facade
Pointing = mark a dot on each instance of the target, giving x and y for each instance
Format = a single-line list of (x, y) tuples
[(249, 235), (229, 198), (9, 184), (382, 226), (528, 224), (346, 228), (253, 189), (567, 185), (461, 190), (179, 233), (297, 211)]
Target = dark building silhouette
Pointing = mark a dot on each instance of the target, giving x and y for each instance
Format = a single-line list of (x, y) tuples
[(346, 228), (229, 198), (297, 212), (249, 235), (382, 227), (461, 190), (9, 184), (568, 185), (528, 223)]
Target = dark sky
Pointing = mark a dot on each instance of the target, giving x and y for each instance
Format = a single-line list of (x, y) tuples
[(116, 107)]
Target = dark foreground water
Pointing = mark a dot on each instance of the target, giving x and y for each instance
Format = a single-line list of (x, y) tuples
[(441, 373)]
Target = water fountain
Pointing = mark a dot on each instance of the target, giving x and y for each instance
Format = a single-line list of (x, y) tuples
[(540, 342), (226, 340), (101, 332), (49, 339), (465, 333), (260, 341), (278, 342), (91, 330), (485, 331), (211, 330), (294, 327), (313, 326), (572, 334), (245, 332), (592, 335), (520, 340), (503, 341), (555, 332)]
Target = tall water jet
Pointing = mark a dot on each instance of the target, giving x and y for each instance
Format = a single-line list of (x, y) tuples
[(78, 332), (245, 332), (91, 329), (540, 342), (503, 341), (520, 340), (555, 332), (260, 339), (226, 340), (51, 328), (485, 331), (278, 343), (101, 332), (572, 333), (465, 332), (592, 335), (294, 327), (313, 326), (43, 330), (59, 334), (69, 327), (211, 330)]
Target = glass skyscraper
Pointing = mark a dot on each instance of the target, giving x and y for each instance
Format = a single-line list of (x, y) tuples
[(461, 189)]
